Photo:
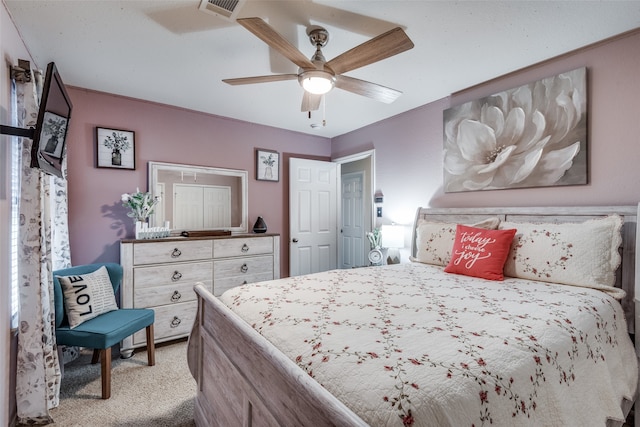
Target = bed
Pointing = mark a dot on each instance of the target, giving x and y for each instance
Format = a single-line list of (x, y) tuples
[(550, 346)]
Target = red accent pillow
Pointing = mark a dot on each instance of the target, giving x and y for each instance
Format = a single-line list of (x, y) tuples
[(480, 252)]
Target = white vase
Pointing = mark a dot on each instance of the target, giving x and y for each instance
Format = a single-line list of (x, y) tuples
[(141, 227)]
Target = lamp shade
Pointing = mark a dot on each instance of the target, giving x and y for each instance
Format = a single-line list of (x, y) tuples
[(392, 236)]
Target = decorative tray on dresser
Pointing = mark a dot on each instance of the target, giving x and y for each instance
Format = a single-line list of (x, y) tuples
[(161, 273)]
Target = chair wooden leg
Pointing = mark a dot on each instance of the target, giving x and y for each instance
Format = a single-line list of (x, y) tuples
[(105, 356), (151, 346), (96, 356)]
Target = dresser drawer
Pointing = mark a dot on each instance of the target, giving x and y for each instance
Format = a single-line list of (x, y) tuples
[(227, 283), (223, 248), (167, 294), (160, 275), (172, 274), (240, 267), (170, 321), (162, 252)]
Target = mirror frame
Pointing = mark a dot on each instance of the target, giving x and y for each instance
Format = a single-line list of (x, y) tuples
[(154, 167)]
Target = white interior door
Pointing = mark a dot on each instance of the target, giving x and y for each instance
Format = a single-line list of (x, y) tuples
[(352, 230), (365, 164), (313, 210)]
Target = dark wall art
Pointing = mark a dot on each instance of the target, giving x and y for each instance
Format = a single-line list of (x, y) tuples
[(116, 148), (267, 165)]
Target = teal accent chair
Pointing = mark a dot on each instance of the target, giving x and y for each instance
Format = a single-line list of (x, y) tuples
[(106, 330)]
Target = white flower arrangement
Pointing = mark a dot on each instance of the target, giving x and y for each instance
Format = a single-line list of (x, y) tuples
[(140, 203), (375, 238)]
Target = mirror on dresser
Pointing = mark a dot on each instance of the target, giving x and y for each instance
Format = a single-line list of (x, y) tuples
[(199, 197)]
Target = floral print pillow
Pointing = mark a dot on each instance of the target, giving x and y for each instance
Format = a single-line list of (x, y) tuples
[(581, 254), (434, 240)]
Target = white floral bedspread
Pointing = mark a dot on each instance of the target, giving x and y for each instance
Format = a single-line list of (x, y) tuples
[(411, 345)]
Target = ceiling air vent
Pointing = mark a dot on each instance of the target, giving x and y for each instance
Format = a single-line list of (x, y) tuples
[(226, 9)]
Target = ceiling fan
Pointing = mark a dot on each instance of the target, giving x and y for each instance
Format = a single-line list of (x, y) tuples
[(318, 76)]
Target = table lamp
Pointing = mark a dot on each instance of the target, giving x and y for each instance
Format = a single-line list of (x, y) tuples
[(393, 239)]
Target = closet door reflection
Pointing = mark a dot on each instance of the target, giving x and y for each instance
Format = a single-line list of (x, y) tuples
[(199, 197), (217, 210), (201, 206)]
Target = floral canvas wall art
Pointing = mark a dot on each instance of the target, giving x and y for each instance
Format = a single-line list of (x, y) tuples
[(530, 136)]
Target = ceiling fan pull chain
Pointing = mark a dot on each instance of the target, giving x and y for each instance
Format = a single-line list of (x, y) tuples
[(324, 110)]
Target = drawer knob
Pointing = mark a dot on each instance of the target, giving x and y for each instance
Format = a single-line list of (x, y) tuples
[(244, 268), (176, 276), (245, 282), (176, 296), (176, 253), (175, 322), (245, 248)]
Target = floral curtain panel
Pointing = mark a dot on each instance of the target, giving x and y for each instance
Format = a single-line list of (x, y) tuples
[(44, 247)]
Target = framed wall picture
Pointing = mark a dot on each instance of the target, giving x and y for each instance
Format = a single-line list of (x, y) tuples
[(267, 165), (534, 135), (115, 148)]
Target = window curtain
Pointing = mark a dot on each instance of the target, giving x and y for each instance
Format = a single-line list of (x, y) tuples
[(43, 247)]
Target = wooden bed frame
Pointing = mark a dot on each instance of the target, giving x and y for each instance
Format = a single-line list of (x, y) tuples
[(244, 380)]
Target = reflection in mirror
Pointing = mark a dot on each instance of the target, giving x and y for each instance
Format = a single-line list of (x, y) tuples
[(199, 197)]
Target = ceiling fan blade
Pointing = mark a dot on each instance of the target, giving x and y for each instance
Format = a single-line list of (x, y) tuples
[(310, 102), (267, 34), (368, 89), (378, 48), (260, 79)]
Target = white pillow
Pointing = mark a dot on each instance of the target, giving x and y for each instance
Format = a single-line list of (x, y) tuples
[(580, 254), (434, 240), (87, 296)]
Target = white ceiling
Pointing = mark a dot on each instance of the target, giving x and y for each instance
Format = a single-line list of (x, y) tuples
[(172, 53)]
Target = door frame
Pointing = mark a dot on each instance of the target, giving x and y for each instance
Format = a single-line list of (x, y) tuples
[(371, 155)]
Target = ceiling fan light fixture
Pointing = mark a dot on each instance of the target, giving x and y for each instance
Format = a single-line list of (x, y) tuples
[(316, 75), (317, 82), (317, 85)]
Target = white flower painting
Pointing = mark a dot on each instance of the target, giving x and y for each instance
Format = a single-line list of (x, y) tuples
[(531, 136)]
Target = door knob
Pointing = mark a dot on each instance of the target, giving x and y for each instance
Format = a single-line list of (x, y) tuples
[(295, 240)]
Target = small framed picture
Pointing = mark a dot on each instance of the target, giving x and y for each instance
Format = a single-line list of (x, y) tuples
[(54, 130), (116, 148), (267, 165)]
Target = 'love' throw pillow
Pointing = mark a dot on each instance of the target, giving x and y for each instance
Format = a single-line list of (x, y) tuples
[(479, 252), (87, 296)]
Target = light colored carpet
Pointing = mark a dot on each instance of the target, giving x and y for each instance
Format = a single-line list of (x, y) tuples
[(141, 395)]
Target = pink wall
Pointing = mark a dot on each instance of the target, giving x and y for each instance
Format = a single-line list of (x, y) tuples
[(409, 146), (408, 152), (97, 220)]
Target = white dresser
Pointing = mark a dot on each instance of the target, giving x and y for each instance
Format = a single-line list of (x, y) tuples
[(160, 274)]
